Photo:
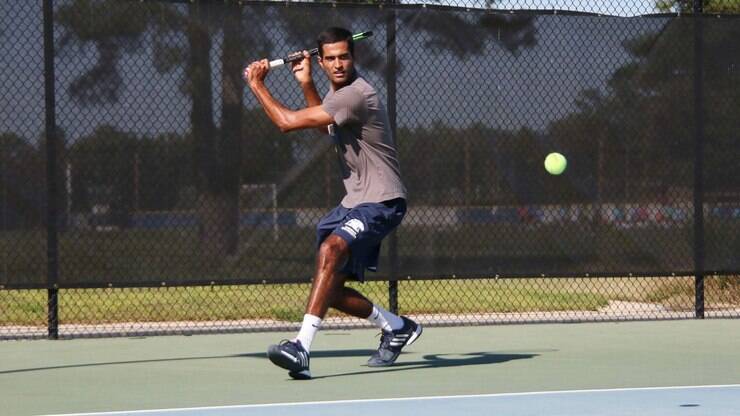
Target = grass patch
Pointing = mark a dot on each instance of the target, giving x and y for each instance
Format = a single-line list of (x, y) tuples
[(491, 295), (720, 292), (285, 302)]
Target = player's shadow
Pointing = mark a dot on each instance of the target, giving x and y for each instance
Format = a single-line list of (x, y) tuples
[(320, 354), (428, 361), (438, 361), (325, 354), (113, 363)]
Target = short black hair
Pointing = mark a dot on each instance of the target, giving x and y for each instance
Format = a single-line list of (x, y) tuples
[(334, 35)]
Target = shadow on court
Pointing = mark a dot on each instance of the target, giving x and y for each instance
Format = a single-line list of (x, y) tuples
[(428, 361), (316, 354), (441, 361), (110, 363)]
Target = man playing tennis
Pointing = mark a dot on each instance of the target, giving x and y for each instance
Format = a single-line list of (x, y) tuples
[(349, 236)]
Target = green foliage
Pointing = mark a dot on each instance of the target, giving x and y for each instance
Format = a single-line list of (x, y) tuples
[(183, 37), (267, 156), (95, 20), (22, 182), (131, 173), (644, 124), (709, 6), (112, 27)]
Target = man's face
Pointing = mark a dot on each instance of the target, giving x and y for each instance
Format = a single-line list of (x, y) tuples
[(337, 62)]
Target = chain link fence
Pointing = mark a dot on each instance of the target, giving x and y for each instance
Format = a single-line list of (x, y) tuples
[(144, 191)]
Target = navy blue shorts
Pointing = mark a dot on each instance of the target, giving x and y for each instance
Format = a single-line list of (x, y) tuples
[(363, 228)]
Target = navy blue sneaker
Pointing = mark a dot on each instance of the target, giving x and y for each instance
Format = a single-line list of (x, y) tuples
[(291, 356), (392, 342)]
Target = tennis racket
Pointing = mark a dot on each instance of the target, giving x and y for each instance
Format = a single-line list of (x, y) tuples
[(297, 56)]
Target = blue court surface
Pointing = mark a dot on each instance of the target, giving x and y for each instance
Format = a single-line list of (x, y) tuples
[(658, 401)]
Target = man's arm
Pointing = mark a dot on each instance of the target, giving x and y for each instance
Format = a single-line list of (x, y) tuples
[(313, 100), (288, 120), (285, 119), (302, 71), (312, 96)]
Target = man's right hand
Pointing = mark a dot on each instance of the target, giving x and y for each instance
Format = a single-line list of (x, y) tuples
[(302, 69), (256, 72)]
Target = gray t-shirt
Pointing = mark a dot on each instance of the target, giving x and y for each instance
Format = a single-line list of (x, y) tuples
[(367, 152)]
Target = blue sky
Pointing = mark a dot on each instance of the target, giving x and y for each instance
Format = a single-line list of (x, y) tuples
[(611, 7)]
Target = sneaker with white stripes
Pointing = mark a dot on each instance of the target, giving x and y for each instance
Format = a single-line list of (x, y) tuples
[(291, 356), (392, 342)]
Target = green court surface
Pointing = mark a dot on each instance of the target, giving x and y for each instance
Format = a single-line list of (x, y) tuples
[(127, 374)]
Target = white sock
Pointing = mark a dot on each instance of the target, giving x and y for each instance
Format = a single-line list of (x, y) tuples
[(309, 327), (385, 320)]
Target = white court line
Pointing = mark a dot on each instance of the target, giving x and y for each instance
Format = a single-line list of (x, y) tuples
[(400, 399)]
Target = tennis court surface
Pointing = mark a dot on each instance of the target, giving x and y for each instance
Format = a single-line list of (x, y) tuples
[(630, 368)]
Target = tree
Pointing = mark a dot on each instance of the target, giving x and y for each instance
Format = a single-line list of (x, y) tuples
[(709, 6), (163, 174), (103, 173), (645, 121), (22, 183), (120, 28)]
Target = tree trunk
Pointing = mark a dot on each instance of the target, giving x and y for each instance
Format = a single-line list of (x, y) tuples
[(232, 93), (213, 207)]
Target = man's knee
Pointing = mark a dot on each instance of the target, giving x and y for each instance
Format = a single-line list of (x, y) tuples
[(334, 250)]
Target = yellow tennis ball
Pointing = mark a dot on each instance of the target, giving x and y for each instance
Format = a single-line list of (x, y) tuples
[(555, 163)]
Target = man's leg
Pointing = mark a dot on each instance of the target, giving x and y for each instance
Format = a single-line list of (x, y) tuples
[(354, 303), (398, 331), (327, 283), (328, 280), (294, 355), (328, 290)]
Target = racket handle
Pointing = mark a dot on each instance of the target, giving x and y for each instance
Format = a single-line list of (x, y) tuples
[(293, 57), (277, 63)]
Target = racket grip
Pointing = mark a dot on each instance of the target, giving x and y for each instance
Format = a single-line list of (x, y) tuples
[(295, 56), (288, 59)]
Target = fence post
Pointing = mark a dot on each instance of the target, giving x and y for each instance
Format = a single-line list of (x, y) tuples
[(390, 80), (699, 160), (52, 220)]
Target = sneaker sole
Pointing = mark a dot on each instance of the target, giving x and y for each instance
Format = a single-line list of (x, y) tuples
[(300, 375)]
